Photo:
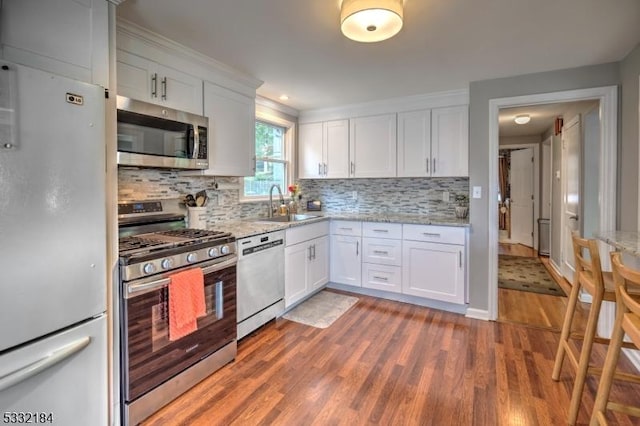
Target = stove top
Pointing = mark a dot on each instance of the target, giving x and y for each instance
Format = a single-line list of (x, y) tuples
[(154, 240), (157, 241)]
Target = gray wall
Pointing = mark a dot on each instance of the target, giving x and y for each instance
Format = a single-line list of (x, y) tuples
[(628, 155), (480, 92)]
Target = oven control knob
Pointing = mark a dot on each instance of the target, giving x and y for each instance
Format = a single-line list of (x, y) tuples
[(166, 263), (192, 257), (149, 268), (213, 252), (224, 249)]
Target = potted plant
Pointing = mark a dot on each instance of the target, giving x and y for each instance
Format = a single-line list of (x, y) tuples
[(462, 209)]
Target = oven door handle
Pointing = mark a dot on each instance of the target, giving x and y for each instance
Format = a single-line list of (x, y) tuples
[(163, 282)]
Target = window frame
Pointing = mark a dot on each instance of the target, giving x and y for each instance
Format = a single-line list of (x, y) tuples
[(289, 155)]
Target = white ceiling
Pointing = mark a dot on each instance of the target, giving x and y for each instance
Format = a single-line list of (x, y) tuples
[(542, 117), (296, 47)]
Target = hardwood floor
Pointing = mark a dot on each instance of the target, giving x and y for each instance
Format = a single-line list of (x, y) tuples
[(389, 363), (537, 310)]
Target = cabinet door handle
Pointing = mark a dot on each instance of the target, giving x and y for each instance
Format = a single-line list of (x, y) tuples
[(434, 165), (154, 85), (357, 248), (325, 169), (319, 169), (430, 234), (427, 161), (313, 247), (460, 257), (309, 249), (353, 167), (164, 88), (380, 278), (386, 253)]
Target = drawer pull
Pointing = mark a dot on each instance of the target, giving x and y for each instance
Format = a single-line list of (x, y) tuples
[(430, 234), (381, 230), (380, 278), (386, 253), (346, 229)]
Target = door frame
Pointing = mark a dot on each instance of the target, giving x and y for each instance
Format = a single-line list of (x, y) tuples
[(536, 182), (608, 97), (564, 262)]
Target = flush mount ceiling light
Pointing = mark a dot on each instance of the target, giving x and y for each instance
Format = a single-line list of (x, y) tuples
[(284, 98), (522, 119), (371, 20)]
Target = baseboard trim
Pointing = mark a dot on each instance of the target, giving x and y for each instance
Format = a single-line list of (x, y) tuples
[(479, 314)]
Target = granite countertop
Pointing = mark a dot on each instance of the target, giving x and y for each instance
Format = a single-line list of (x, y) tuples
[(250, 227), (628, 241)]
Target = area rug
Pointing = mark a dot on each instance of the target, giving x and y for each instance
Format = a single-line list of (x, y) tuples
[(321, 310), (526, 274)]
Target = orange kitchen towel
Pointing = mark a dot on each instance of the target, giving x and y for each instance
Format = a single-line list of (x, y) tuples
[(186, 302)]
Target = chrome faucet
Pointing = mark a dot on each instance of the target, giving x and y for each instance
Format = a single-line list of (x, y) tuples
[(275, 185)]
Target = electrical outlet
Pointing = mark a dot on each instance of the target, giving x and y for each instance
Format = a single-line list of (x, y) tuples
[(354, 195), (445, 196)]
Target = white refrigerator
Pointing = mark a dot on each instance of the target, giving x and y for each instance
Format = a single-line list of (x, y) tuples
[(53, 328)]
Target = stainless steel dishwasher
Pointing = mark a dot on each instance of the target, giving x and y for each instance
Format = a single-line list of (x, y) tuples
[(260, 280)]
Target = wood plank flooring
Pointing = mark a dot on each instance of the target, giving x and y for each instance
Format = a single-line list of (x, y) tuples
[(537, 310), (389, 363)]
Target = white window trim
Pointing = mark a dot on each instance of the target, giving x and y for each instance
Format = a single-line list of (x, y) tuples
[(289, 152)]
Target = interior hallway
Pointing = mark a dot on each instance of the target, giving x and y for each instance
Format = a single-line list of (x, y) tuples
[(532, 309)]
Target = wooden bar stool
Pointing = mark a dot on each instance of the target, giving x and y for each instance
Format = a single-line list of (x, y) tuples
[(589, 277), (627, 282)]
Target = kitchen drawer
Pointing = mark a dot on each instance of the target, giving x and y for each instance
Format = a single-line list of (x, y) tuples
[(301, 233), (382, 277), (382, 251), (434, 234), (346, 227), (382, 230)]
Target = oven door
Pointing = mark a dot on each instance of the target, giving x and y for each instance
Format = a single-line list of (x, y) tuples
[(149, 358)]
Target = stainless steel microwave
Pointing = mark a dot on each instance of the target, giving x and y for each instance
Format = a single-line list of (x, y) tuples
[(155, 136)]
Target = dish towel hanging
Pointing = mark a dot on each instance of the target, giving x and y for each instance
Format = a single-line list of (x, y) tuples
[(186, 302)]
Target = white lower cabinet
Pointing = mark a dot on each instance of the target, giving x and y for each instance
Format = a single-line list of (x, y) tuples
[(382, 277), (346, 252), (306, 261), (434, 270)]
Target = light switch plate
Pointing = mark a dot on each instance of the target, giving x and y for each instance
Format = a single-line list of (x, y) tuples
[(477, 192)]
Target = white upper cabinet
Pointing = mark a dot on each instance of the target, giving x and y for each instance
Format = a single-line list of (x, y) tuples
[(450, 141), (65, 37), (373, 146), (149, 81), (434, 142), (324, 150), (231, 131), (414, 143)]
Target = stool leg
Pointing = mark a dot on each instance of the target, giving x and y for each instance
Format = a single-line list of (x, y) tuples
[(566, 330), (585, 356), (609, 369)]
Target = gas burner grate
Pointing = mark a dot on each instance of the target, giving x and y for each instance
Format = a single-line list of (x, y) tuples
[(139, 242), (194, 233)]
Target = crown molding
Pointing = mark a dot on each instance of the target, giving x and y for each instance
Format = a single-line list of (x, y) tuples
[(385, 106), (277, 106), (168, 46)]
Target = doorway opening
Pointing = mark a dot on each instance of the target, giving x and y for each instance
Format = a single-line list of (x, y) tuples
[(548, 175)]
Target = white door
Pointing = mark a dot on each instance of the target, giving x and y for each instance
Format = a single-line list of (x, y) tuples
[(336, 149), (571, 192), (521, 179), (346, 260), (310, 160)]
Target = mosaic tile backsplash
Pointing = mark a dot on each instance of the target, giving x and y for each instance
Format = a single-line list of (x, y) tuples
[(389, 195)]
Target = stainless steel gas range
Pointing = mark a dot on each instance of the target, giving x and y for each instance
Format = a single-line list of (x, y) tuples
[(154, 245)]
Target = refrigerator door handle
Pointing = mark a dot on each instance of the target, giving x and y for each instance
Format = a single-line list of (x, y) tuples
[(42, 364)]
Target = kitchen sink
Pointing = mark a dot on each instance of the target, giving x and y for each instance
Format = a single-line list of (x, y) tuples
[(289, 218)]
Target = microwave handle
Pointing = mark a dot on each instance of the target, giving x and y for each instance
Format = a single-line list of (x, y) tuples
[(196, 141)]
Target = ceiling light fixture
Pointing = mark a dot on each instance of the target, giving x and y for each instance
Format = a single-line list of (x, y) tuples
[(284, 97), (370, 20), (522, 119)]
